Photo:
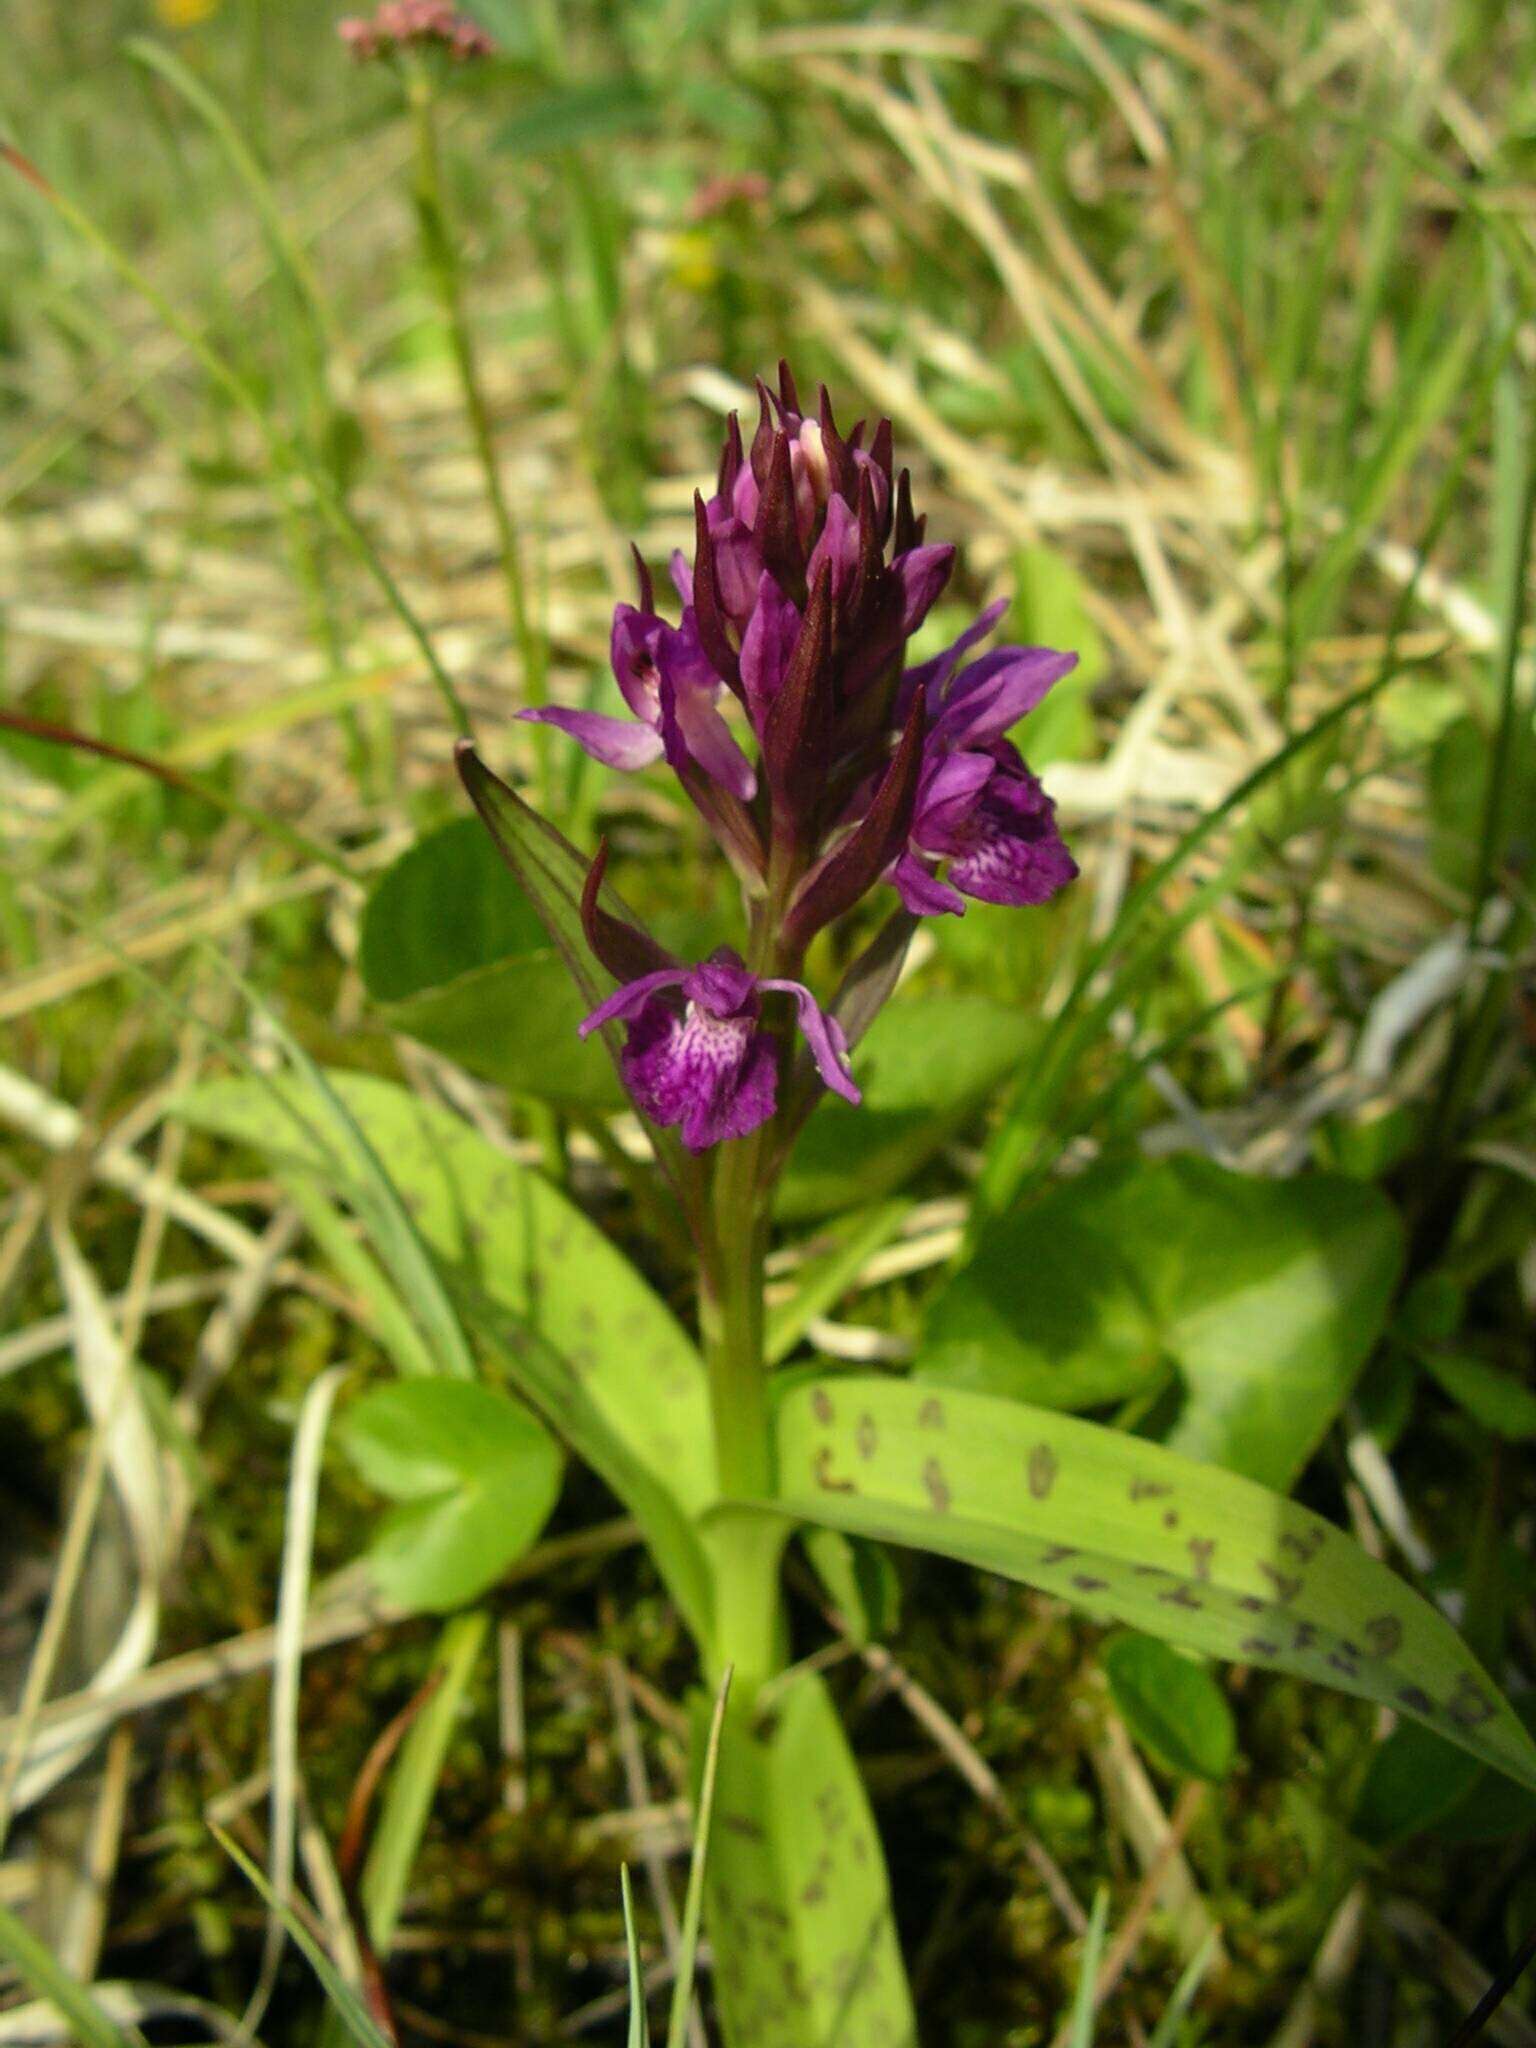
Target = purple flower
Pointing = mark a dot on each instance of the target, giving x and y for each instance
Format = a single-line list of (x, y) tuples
[(809, 574), (987, 815), (766, 646), (989, 695), (668, 684), (978, 805), (705, 1062), (804, 498)]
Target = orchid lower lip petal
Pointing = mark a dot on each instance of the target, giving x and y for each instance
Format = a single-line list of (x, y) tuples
[(699, 1056)]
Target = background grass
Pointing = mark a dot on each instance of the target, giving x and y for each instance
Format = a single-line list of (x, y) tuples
[(1206, 328)]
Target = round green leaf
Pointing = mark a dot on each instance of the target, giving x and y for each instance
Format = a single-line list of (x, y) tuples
[(477, 1476), (1266, 1295), (1173, 1706)]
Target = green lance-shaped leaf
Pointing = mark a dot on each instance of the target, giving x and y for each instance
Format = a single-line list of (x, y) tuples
[(554, 874), (1135, 1533), (453, 952), (797, 1905), (569, 1320)]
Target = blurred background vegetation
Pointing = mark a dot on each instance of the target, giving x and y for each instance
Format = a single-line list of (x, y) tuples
[(1206, 328)]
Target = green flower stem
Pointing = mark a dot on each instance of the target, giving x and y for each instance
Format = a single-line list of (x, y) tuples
[(750, 1630), (733, 1323), (441, 252), (442, 256), (745, 1548)]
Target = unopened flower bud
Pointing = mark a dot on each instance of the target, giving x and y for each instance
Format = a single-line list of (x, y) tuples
[(813, 475)]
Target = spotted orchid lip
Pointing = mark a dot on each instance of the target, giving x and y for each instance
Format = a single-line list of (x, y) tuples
[(698, 1055)]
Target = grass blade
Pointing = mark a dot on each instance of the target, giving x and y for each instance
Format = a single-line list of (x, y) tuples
[(32, 1961), (693, 1905), (1085, 2003), (344, 2000), (1184, 1992), (639, 2023), (413, 1781)]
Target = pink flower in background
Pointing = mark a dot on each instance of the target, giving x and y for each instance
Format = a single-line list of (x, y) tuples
[(415, 24)]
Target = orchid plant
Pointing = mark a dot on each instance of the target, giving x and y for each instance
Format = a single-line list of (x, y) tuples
[(810, 574), (852, 795), (837, 780)]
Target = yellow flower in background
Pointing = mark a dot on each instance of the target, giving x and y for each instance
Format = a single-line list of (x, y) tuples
[(694, 260), (184, 13)]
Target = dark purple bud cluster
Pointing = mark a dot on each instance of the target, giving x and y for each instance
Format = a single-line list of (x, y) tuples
[(821, 763), (414, 25), (810, 573)]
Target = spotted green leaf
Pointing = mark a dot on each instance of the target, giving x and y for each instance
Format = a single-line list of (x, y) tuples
[(1132, 1532), (573, 1325), (797, 1904)]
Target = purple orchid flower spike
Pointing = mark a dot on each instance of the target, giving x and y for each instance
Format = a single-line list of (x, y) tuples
[(834, 768), (666, 680), (706, 1064)]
